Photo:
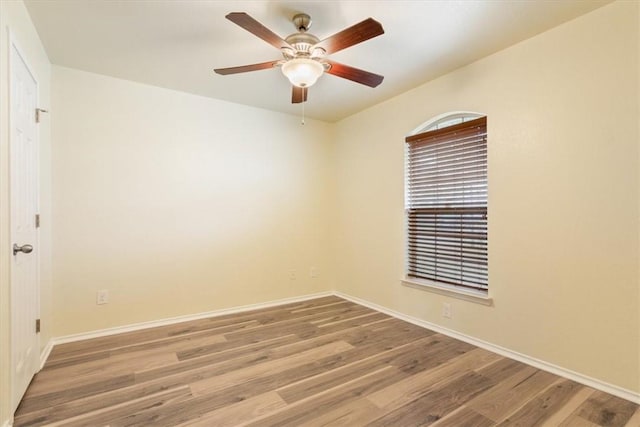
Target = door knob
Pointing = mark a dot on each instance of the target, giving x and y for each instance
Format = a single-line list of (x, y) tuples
[(25, 249)]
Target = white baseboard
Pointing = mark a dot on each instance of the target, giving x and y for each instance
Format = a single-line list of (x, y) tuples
[(44, 354), (172, 320), (537, 363)]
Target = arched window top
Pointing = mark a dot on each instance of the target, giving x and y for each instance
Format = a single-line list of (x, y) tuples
[(445, 120)]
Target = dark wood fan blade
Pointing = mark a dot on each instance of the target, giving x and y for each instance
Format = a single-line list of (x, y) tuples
[(354, 74), (257, 29), (367, 29), (246, 68), (299, 94)]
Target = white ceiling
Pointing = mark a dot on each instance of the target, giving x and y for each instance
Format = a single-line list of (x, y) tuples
[(176, 44)]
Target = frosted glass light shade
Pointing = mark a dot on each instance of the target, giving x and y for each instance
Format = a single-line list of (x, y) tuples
[(302, 72)]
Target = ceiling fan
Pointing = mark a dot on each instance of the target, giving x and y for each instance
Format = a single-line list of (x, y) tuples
[(305, 55)]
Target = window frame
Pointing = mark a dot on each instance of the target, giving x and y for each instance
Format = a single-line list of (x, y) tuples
[(473, 294)]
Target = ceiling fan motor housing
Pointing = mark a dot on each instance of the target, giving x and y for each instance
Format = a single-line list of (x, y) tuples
[(302, 42)]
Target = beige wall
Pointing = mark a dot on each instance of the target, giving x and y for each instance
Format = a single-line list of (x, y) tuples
[(14, 17), (179, 204), (562, 113)]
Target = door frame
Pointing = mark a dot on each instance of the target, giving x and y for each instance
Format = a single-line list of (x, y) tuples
[(14, 46)]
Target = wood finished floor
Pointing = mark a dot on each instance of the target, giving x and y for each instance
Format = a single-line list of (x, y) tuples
[(324, 362)]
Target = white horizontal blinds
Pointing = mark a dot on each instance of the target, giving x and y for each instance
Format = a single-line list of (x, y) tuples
[(447, 204)]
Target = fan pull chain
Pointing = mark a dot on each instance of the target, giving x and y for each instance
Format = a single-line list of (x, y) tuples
[(302, 122)]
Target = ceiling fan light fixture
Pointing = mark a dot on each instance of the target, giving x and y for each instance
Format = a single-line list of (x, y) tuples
[(302, 72)]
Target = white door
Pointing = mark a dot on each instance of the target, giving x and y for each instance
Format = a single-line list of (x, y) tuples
[(23, 146)]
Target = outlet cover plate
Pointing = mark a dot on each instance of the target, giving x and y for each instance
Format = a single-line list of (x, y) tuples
[(102, 297), (446, 310)]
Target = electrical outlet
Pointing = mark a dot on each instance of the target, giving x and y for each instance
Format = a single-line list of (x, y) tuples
[(102, 297), (313, 273), (446, 310), (292, 275)]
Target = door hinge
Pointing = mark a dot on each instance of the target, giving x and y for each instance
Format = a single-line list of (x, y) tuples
[(37, 326), (38, 112), (37, 220)]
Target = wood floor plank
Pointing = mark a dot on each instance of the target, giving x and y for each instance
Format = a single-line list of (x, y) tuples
[(504, 387), (348, 415), (412, 387), (256, 370), (83, 405), (368, 319), (339, 375), (303, 330), (576, 421), (437, 403), (330, 301), (511, 394), (464, 416), (430, 354), (33, 403), (240, 412), (75, 360), (215, 368), (303, 411), (607, 410), (312, 314), (345, 333), (569, 408), (173, 342), (96, 372), (501, 369), (337, 320), (178, 413), (224, 355), (140, 337), (542, 407), (386, 332), (299, 323), (142, 359), (183, 341), (218, 348), (320, 362), (105, 415), (635, 419)]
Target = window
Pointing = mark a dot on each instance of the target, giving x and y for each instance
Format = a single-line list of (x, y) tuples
[(446, 202)]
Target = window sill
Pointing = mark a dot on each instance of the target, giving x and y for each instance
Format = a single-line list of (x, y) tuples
[(477, 297)]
